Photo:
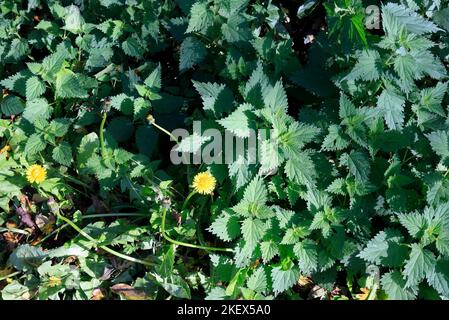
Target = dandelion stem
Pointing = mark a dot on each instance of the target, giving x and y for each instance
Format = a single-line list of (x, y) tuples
[(186, 201)]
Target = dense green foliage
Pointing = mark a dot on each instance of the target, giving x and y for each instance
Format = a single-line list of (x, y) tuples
[(353, 178)]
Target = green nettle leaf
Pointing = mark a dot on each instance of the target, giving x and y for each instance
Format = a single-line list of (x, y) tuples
[(420, 264), (226, 227), (439, 141), (347, 108), (439, 277), (253, 230), (34, 144), (73, 19), (284, 279), (153, 81), (367, 67), (432, 98), (335, 139), (306, 252), (17, 82), (391, 105), (216, 97), (258, 280), (394, 286), (201, 18), (34, 88), (414, 223), (349, 171), (256, 192), (276, 98), (12, 105), (385, 248), (192, 143), (301, 170), (141, 108), (358, 165), (37, 109), (192, 53), (133, 48), (270, 157), (123, 103), (62, 153), (88, 147), (395, 16), (68, 85), (238, 122), (239, 171), (269, 250)]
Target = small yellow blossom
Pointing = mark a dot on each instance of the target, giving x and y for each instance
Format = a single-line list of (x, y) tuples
[(54, 281), (204, 183), (36, 173)]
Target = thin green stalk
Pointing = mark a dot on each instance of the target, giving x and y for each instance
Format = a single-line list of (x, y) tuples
[(185, 244), (165, 131), (186, 201), (76, 181), (153, 122), (105, 248), (102, 148)]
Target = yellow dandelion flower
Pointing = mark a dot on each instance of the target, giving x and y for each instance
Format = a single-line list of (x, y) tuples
[(204, 183), (36, 173), (54, 281)]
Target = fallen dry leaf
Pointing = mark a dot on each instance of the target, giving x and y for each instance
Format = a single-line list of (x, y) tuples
[(128, 292)]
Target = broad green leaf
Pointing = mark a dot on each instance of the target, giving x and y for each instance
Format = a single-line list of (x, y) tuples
[(12, 105), (391, 105), (420, 264), (225, 227), (258, 280), (394, 286), (307, 255), (284, 279), (62, 154), (34, 88), (192, 53)]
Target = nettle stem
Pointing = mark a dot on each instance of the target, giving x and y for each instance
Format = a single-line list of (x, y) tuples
[(102, 147)]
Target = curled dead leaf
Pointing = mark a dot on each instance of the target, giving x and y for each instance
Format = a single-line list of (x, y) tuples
[(97, 294), (128, 292)]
